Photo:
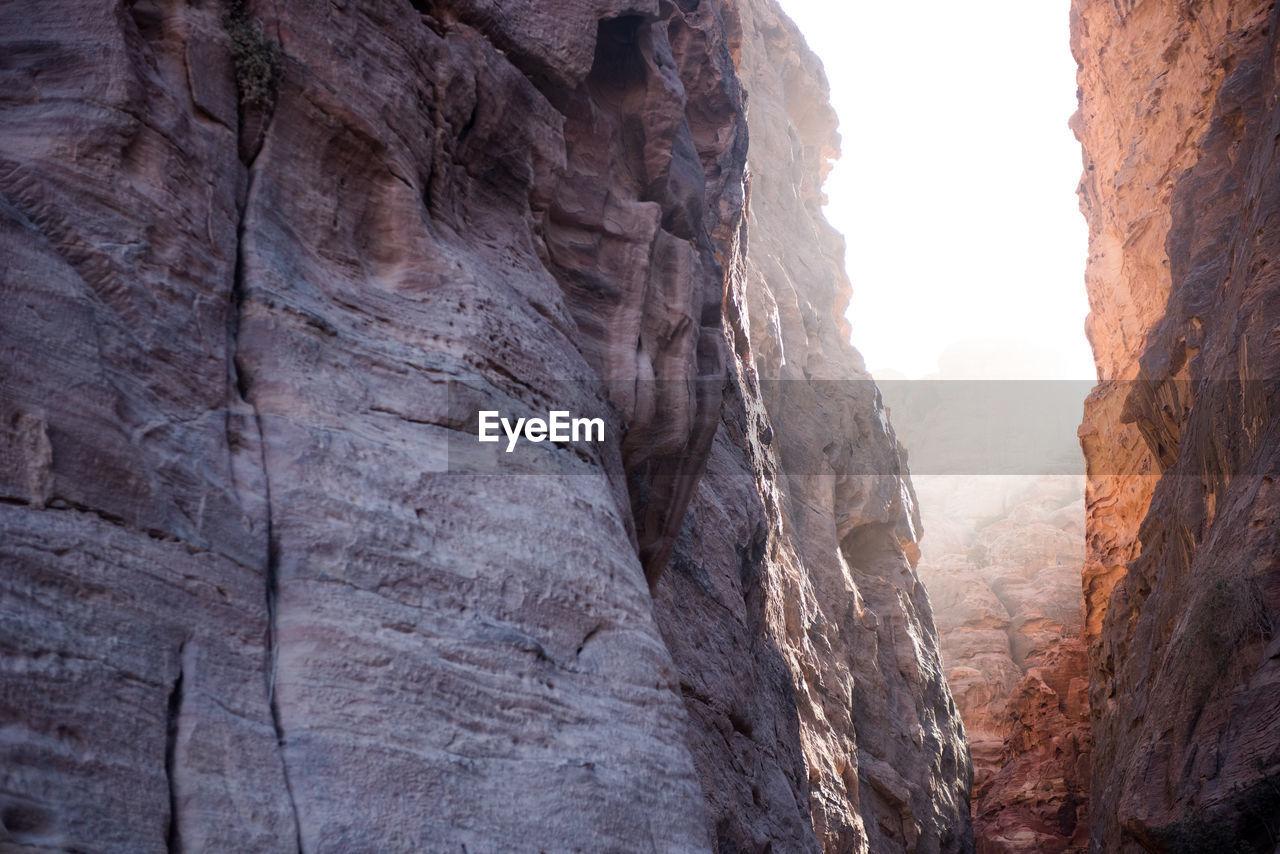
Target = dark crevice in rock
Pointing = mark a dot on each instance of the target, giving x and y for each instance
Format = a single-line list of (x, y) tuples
[(627, 125), (273, 653), (594, 630), (173, 837), (618, 62), (148, 17), (1011, 608), (468, 126)]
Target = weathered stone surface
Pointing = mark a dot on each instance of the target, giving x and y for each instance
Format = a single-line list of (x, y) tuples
[(250, 600), (826, 710), (1002, 563), (1178, 119)]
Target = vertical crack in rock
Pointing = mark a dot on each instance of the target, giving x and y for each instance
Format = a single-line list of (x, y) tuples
[(273, 592), (173, 834), (258, 123), (119, 152), (243, 386)]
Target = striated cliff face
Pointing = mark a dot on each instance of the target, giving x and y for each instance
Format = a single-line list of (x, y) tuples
[(252, 599), (1179, 122), (826, 707), (1002, 562)]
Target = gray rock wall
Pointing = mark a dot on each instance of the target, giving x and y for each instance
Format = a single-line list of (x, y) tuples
[(250, 601)]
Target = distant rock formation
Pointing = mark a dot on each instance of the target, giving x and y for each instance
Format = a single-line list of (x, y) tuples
[(1002, 562)]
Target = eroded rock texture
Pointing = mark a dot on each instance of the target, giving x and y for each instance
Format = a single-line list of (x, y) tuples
[(826, 710), (1002, 562), (1179, 121), (251, 603)]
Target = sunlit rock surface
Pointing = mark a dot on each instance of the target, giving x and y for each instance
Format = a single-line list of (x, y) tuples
[(1179, 124)]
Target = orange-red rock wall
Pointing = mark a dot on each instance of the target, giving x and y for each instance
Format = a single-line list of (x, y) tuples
[(1179, 122)]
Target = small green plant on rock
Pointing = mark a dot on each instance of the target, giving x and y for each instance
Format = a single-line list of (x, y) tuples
[(257, 59)]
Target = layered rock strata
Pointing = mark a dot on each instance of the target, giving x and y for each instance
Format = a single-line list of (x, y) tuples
[(1179, 123), (252, 600)]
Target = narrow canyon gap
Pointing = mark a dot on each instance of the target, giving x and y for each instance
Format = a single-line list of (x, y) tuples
[(1144, 721)]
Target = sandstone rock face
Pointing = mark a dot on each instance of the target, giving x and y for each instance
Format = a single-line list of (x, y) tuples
[(252, 600), (825, 709), (1002, 562), (1179, 124)]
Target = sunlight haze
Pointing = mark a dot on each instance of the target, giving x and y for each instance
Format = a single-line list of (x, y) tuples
[(955, 189)]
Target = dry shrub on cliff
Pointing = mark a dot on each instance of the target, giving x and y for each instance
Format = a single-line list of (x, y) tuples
[(1248, 823), (1230, 614), (1198, 836), (257, 59), (1239, 613)]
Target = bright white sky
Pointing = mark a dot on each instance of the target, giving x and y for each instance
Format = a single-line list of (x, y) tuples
[(956, 186)]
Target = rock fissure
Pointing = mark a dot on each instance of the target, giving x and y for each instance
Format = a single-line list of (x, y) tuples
[(242, 380), (173, 834)]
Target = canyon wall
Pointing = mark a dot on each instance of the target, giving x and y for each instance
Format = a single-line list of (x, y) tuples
[(1180, 127), (257, 593), (827, 688)]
